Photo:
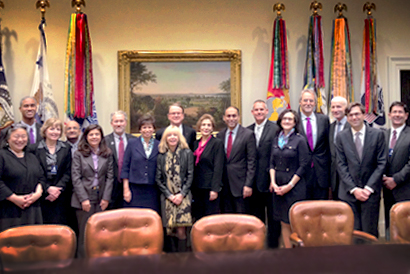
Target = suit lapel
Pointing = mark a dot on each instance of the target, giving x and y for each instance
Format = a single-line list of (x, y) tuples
[(90, 162), (332, 129), (140, 148), (154, 151), (264, 132), (353, 145), (238, 138), (366, 144), (403, 135), (101, 163), (111, 144)]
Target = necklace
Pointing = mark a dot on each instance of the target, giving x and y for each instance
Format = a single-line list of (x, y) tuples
[(18, 154)]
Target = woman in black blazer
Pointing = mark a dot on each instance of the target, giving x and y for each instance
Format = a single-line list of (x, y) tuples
[(21, 181), (55, 159), (209, 161), (288, 162), (139, 166), (175, 170)]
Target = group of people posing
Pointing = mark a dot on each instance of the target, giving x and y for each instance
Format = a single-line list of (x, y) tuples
[(260, 170)]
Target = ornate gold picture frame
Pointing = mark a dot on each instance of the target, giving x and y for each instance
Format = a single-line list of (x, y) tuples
[(203, 81)]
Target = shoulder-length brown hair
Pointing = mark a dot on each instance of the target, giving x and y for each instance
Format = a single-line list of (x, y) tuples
[(84, 147), (163, 145)]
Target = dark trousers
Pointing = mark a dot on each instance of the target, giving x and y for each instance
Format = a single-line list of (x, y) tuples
[(117, 195), (335, 190), (313, 190), (388, 201), (231, 204), (366, 214), (82, 218), (261, 206), (202, 206)]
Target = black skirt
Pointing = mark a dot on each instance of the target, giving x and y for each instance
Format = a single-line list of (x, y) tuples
[(144, 196)]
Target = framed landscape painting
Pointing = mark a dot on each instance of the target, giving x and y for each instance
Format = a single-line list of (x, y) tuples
[(201, 81)]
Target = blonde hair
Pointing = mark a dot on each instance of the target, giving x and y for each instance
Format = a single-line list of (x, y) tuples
[(163, 145), (49, 123)]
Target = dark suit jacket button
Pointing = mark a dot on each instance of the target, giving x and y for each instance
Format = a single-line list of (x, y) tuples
[(287, 169)]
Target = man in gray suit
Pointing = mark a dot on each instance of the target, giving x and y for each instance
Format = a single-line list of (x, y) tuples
[(337, 107), (117, 141), (315, 127), (397, 175), (361, 160), (240, 151), (261, 203)]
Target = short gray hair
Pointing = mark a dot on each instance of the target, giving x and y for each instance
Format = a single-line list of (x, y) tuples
[(311, 91), (339, 99), (119, 112), (27, 97)]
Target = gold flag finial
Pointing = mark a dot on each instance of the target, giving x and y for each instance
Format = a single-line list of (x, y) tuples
[(339, 8), (369, 7), (42, 4), (78, 4), (315, 6), (278, 8)]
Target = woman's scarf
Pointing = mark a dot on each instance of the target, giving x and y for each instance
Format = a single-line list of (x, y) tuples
[(283, 139), (200, 149)]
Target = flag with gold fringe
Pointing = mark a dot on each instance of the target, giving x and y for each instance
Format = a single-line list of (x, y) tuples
[(42, 90), (371, 90), (341, 76), (79, 89), (278, 86), (6, 107), (314, 73)]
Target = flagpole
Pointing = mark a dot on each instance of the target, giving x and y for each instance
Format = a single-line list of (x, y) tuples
[(43, 4)]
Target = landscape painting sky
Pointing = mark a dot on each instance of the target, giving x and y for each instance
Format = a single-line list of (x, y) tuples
[(186, 77)]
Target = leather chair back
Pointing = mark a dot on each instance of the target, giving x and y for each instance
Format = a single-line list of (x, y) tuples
[(35, 243), (322, 223), (228, 232), (400, 223), (124, 232)]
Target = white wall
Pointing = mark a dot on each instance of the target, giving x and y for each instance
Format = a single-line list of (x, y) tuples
[(183, 25)]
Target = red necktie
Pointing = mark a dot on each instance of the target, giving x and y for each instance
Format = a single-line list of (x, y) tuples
[(120, 156), (393, 139), (229, 146)]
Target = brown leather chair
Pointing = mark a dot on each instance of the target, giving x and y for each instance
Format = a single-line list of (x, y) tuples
[(35, 243), (400, 223), (324, 223), (228, 232), (124, 232)]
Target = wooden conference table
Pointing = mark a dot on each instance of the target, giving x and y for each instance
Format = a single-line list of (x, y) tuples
[(361, 259)]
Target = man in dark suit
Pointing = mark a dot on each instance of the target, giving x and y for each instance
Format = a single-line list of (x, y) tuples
[(176, 117), (240, 149), (28, 108), (361, 160), (337, 107), (315, 127), (397, 180), (117, 141), (261, 204)]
